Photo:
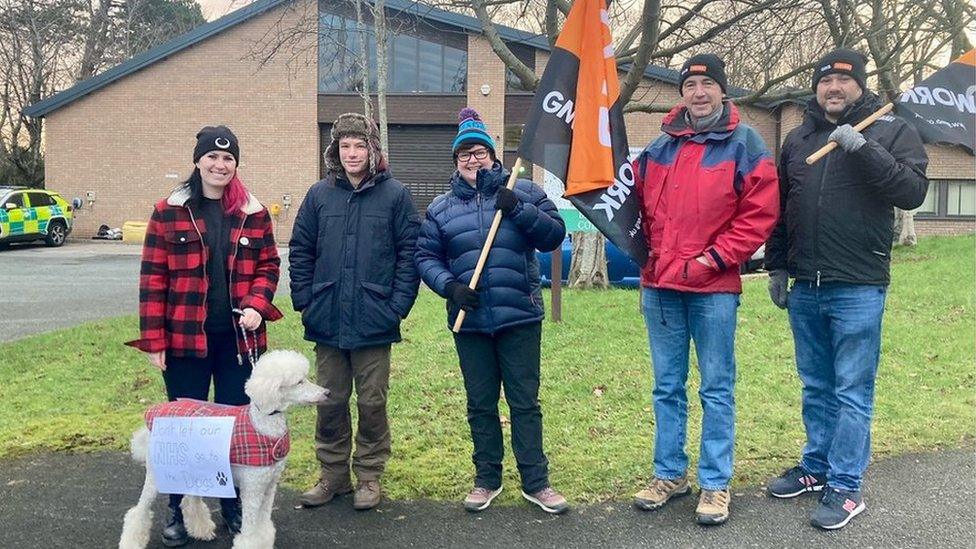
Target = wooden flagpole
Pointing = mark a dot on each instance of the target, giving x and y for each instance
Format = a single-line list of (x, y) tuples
[(823, 151), (488, 242)]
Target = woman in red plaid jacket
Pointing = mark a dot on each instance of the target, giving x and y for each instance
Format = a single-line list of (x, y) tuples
[(208, 276)]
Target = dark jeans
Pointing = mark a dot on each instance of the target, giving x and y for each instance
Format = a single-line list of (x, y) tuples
[(189, 377), (837, 334), (338, 370), (511, 357)]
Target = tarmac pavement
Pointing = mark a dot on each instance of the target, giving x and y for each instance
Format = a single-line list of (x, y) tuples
[(44, 289), (919, 501)]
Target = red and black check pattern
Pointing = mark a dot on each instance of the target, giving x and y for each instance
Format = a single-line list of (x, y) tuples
[(247, 446), (173, 282)]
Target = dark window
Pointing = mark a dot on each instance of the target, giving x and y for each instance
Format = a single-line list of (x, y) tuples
[(513, 138), (340, 69), (949, 198), (38, 200), (17, 199), (525, 55), (415, 64)]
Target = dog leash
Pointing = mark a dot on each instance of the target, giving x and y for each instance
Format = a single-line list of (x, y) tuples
[(250, 342)]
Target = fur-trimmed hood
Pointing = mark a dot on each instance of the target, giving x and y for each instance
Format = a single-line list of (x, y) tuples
[(181, 195)]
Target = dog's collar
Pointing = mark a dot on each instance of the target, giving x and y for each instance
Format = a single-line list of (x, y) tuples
[(269, 413)]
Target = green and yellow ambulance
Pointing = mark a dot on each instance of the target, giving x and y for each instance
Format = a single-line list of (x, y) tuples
[(33, 214)]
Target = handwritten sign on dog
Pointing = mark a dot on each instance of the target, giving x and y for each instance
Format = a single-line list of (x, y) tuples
[(191, 455)]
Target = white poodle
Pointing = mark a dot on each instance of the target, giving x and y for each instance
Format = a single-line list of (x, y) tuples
[(279, 379)]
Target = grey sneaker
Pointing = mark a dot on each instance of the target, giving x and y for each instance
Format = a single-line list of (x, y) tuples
[(324, 491), (548, 500), (660, 491), (480, 498)]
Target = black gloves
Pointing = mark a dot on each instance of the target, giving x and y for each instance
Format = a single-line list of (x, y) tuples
[(505, 200), (779, 282), (462, 296)]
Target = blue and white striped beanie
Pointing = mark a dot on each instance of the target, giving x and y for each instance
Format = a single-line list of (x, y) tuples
[(471, 130)]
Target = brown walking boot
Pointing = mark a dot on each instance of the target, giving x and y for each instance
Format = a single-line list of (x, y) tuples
[(713, 507), (368, 495), (659, 492), (324, 491)]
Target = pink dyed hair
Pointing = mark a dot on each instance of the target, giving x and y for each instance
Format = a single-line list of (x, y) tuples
[(235, 195)]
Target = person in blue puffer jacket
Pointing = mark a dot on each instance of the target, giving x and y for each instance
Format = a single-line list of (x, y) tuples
[(500, 340)]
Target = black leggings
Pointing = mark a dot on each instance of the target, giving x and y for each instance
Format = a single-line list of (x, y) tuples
[(187, 377)]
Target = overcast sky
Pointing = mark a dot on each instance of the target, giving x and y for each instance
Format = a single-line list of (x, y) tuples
[(214, 9)]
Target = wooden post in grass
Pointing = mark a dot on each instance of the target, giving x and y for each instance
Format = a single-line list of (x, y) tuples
[(557, 284), (823, 151)]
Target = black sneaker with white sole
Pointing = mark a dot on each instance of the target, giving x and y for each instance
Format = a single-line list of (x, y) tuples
[(794, 482), (837, 508)]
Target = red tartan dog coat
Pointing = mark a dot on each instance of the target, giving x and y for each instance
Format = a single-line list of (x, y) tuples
[(247, 446)]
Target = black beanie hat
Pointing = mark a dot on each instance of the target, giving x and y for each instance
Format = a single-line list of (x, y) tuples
[(216, 138), (707, 64), (842, 61)]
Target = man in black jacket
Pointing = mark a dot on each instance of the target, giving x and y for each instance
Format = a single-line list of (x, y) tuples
[(834, 238), (353, 279)]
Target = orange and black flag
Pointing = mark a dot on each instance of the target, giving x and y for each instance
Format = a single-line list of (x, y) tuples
[(575, 128), (943, 106)]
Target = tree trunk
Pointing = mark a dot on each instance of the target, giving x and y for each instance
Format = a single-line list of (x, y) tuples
[(588, 268), (905, 228), (382, 64), (363, 62)]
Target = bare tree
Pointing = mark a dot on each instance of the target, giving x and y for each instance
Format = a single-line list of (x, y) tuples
[(35, 38), (112, 31), (769, 45), (48, 45), (382, 72)]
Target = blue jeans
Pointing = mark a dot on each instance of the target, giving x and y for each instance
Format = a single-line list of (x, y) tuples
[(837, 333), (674, 319)]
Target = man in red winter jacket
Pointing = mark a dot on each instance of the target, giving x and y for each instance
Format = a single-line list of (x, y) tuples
[(709, 199)]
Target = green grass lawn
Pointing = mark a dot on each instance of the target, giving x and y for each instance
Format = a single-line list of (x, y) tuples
[(80, 390)]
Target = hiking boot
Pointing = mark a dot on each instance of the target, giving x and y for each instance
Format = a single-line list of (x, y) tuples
[(480, 498), (174, 535), (659, 491), (230, 509), (794, 482), (368, 495), (836, 509), (713, 507), (548, 500), (324, 491)]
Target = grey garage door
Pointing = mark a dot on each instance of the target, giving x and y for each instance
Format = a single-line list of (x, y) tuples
[(420, 157)]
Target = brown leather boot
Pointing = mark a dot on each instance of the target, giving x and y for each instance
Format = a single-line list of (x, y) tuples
[(368, 495), (324, 491)]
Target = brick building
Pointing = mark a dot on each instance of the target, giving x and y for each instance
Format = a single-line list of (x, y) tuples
[(124, 138)]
